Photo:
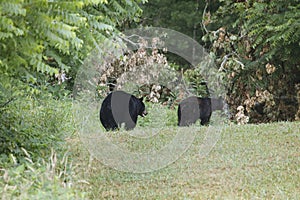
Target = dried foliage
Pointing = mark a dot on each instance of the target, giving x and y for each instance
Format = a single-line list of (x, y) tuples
[(240, 116), (144, 71), (256, 47), (263, 102)]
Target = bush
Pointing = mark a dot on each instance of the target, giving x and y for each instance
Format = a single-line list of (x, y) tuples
[(36, 125), (255, 48), (33, 126)]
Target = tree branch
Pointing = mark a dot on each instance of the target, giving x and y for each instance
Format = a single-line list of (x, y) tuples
[(6, 103)]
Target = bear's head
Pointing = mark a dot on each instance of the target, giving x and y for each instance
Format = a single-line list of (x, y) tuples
[(142, 111)]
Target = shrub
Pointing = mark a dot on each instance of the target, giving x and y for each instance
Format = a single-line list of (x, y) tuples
[(35, 124)]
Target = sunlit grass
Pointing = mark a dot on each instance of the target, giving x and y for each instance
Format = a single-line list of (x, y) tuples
[(250, 161)]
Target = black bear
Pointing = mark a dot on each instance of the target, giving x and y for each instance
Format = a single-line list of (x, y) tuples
[(120, 107), (193, 108)]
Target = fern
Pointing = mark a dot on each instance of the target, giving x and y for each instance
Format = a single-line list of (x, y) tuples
[(49, 36), (9, 8), (4, 35)]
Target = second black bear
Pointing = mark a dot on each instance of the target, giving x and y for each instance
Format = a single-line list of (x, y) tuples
[(121, 108), (193, 108)]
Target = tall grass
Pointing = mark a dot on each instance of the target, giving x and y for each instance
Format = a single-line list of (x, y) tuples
[(35, 162)]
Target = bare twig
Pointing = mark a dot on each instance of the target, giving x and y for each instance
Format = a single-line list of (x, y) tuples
[(6, 103), (226, 57), (129, 41), (203, 16)]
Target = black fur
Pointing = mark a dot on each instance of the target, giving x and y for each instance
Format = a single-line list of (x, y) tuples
[(120, 107), (193, 108)]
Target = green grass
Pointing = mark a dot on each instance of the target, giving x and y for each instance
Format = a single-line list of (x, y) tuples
[(249, 161), (34, 158)]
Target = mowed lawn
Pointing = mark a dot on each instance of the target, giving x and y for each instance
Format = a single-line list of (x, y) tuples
[(248, 162)]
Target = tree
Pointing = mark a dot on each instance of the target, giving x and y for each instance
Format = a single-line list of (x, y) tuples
[(40, 39), (182, 16), (256, 46)]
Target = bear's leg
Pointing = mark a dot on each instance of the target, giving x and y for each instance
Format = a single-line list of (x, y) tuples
[(204, 121), (179, 115), (109, 124)]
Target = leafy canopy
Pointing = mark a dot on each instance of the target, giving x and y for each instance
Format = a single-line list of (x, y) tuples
[(51, 36)]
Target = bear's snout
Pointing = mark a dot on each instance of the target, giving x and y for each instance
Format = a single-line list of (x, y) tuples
[(144, 113)]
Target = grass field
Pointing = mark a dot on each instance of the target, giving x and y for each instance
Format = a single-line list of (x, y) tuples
[(221, 161), (248, 162)]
